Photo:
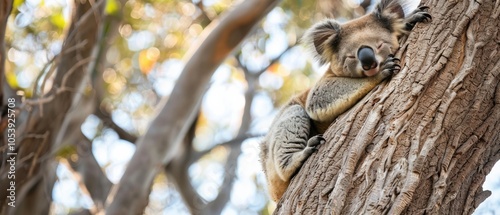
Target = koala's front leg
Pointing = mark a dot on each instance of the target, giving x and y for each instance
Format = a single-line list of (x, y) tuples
[(286, 147), (332, 96), (291, 140)]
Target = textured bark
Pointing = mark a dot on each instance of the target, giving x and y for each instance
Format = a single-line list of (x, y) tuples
[(423, 142)]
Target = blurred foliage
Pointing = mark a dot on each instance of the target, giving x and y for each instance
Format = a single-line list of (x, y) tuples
[(143, 64)]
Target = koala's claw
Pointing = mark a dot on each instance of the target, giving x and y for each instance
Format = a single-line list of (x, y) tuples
[(391, 66), (418, 15), (423, 8)]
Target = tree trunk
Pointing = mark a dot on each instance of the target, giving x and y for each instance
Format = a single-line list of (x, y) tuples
[(423, 142)]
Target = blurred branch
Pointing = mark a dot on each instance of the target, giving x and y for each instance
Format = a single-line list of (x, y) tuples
[(274, 60), (161, 142), (89, 174), (5, 90), (36, 196), (85, 168), (230, 143), (218, 204), (177, 170), (38, 91), (204, 18), (261, 71), (108, 121), (32, 123), (78, 178)]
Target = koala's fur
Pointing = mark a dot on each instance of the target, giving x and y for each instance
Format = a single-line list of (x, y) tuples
[(360, 53)]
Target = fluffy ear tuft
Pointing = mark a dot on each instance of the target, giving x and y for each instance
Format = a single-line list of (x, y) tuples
[(322, 38)]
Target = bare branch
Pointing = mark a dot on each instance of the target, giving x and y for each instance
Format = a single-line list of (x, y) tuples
[(230, 143), (218, 204), (274, 60), (165, 133), (108, 121), (78, 178), (177, 170), (261, 71), (89, 174), (55, 111)]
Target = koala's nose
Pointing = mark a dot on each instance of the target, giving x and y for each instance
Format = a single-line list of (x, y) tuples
[(366, 56)]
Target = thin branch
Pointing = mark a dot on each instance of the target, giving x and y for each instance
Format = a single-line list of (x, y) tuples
[(230, 143), (108, 121), (78, 178), (89, 174), (264, 69), (274, 60), (218, 204), (52, 68)]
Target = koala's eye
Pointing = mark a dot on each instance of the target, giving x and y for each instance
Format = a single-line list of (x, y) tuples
[(380, 45), (351, 56)]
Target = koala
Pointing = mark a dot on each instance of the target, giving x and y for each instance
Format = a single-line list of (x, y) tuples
[(361, 55)]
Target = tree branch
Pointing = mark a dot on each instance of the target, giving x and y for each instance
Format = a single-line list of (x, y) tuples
[(274, 60), (5, 90), (31, 121), (230, 143), (108, 121), (89, 174), (160, 144), (218, 204), (177, 170)]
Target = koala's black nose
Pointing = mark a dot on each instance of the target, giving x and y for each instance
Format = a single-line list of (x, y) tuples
[(367, 58)]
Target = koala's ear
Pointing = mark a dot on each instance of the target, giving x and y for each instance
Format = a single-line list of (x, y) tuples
[(323, 37), (390, 9)]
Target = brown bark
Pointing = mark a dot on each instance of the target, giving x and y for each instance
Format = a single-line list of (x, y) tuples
[(423, 142)]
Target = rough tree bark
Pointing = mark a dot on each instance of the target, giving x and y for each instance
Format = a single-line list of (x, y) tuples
[(423, 142)]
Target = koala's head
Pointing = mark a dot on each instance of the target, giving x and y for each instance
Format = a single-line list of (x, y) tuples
[(358, 48)]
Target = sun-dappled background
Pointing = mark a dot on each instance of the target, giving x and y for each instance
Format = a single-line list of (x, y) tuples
[(142, 66)]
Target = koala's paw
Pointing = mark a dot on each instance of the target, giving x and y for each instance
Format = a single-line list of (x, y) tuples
[(418, 15), (315, 141), (391, 66)]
